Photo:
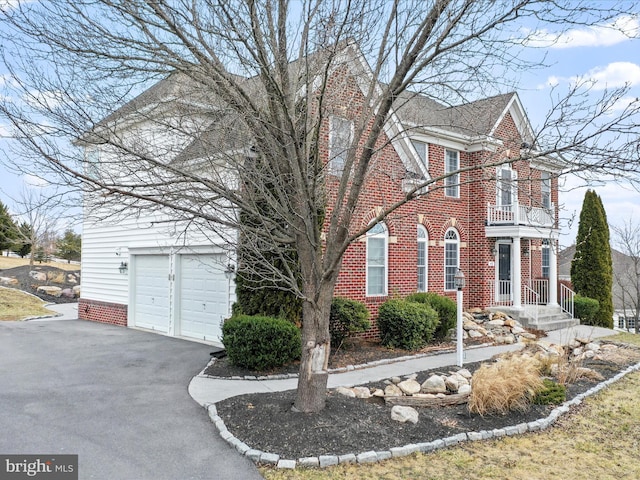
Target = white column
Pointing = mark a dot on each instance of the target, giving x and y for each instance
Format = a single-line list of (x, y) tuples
[(553, 273), (516, 274)]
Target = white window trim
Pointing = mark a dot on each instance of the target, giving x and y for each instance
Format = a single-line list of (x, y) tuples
[(423, 243), (455, 179), (545, 181), (331, 165), (385, 280), (514, 185), (424, 162), (449, 242)]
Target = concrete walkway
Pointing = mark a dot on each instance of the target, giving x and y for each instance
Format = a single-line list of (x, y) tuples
[(206, 390), (63, 311)]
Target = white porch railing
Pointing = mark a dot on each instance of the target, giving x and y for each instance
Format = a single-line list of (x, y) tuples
[(517, 214), (566, 299), (530, 301), (501, 293)]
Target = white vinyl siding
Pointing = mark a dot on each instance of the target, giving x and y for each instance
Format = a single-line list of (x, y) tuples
[(377, 241), (452, 182), (451, 258)]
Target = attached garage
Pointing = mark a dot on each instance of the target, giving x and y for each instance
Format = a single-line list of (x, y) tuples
[(150, 293), (203, 296), (182, 295)]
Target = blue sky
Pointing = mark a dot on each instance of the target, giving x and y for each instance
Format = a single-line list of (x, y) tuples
[(598, 52)]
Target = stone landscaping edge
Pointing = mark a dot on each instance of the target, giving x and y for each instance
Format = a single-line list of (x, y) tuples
[(348, 368), (322, 461)]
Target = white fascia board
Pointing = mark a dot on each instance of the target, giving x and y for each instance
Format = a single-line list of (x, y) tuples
[(521, 231), (456, 141), (519, 117), (547, 163)]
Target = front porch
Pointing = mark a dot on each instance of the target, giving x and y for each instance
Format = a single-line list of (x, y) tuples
[(535, 308)]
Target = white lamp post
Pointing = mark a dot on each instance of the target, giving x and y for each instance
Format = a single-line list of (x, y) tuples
[(459, 282)]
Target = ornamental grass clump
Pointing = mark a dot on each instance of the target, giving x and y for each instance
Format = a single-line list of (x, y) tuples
[(505, 386)]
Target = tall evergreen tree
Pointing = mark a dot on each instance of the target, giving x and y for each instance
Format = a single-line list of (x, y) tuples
[(591, 268), (7, 229)]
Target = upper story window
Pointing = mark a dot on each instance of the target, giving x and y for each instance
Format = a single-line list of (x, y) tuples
[(546, 189), (452, 182), (506, 193), (423, 242), (340, 137), (421, 148), (377, 253), (451, 258)]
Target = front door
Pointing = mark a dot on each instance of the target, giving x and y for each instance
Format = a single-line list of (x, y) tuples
[(504, 273)]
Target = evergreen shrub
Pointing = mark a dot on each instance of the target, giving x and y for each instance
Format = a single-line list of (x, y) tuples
[(445, 307), (586, 309), (406, 325), (346, 318)]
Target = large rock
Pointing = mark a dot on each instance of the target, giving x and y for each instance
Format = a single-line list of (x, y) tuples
[(76, 290), (72, 278), (409, 387), (39, 276), (361, 392), (347, 392), (392, 391), (50, 290), (452, 383), (67, 293), (434, 384), (464, 389), (403, 414), (8, 281)]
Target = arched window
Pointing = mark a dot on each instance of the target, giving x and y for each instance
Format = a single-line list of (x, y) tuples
[(377, 240), (423, 243), (451, 258)]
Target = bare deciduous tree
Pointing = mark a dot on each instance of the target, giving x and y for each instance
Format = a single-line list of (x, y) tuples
[(626, 270), (240, 120)]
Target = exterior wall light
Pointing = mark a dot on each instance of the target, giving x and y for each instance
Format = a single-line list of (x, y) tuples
[(123, 268)]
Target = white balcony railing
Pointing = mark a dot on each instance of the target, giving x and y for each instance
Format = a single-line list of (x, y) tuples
[(517, 214)]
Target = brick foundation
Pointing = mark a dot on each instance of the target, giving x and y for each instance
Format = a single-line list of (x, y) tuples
[(103, 312)]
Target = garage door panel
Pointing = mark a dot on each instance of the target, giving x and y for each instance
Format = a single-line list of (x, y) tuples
[(204, 294), (151, 298)]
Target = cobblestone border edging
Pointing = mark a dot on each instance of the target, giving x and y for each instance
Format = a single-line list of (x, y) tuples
[(321, 461), (348, 368)]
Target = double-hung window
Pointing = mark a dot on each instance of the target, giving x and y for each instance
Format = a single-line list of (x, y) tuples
[(451, 165), (506, 191), (421, 149), (546, 190), (451, 258), (377, 241), (340, 137), (423, 242)]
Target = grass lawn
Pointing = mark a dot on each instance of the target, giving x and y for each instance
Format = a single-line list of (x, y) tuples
[(11, 262), (17, 305), (600, 439)]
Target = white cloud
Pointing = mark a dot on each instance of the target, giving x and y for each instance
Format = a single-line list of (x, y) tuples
[(7, 4), (620, 30), (613, 75), (35, 181)]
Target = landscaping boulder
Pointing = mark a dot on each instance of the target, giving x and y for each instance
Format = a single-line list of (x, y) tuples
[(404, 414)]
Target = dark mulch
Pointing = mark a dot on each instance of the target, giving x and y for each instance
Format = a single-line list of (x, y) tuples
[(28, 284), (348, 425), (356, 352)]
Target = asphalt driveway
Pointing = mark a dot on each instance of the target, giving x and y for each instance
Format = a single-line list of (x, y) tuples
[(116, 397)]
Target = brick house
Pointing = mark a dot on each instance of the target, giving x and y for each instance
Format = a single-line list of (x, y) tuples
[(497, 223)]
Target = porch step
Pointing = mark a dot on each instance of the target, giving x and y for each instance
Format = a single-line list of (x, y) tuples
[(549, 318)]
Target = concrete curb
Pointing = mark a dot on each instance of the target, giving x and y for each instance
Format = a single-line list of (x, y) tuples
[(322, 461)]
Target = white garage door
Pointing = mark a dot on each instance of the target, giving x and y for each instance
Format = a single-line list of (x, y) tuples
[(151, 292), (204, 296)]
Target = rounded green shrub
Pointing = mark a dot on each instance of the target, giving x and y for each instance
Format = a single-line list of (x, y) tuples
[(552, 393), (261, 343), (446, 309), (406, 325), (586, 309), (346, 318)]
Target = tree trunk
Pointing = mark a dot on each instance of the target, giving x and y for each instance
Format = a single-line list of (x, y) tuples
[(316, 346)]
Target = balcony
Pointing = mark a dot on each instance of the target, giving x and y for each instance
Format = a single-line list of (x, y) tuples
[(517, 214)]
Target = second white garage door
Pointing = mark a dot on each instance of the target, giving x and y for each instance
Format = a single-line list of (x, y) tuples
[(203, 296)]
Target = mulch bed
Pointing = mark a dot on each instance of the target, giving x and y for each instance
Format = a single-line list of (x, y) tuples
[(28, 284), (349, 425)]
